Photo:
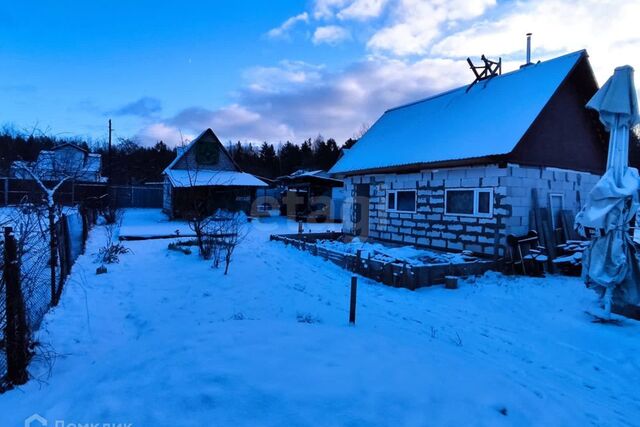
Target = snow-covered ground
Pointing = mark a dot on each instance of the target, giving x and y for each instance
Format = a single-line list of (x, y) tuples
[(165, 340)]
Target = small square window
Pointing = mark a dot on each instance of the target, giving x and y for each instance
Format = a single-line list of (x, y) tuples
[(484, 202), (406, 201), (391, 201)]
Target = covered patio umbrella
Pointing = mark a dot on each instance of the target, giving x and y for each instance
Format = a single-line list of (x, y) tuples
[(610, 265)]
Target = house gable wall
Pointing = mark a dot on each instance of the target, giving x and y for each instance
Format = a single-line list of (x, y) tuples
[(189, 159), (430, 226), (566, 134)]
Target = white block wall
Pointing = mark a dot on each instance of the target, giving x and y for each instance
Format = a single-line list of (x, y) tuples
[(429, 226)]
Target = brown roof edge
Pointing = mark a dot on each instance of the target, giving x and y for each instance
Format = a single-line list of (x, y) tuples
[(416, 167)]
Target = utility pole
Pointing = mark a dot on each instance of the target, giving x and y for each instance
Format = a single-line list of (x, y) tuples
[(109, 164)]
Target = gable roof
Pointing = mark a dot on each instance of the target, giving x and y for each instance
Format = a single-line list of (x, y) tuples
[(205, 177), (68, 144), (181, 151), (487, 120)]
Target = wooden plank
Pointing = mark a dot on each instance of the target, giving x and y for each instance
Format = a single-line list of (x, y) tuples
[(545, 220)]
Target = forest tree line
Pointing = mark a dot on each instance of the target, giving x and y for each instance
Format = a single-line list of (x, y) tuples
[(132, 163)]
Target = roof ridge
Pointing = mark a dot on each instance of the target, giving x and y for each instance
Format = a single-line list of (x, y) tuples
[(447, 92)]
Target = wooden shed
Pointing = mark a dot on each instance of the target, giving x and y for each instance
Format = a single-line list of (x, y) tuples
[(204, 178)]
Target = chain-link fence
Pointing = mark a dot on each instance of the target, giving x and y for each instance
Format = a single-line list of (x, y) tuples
[(34, 289)]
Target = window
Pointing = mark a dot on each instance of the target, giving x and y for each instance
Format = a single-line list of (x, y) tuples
[(469, 202), (401, 200)]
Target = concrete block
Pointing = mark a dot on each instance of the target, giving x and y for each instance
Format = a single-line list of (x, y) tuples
[(518, 191), (475, 172), (409, 239), (455, 245), (510, 181), (438, 243), (486, 239), (474, 248), (489, 181), (440, 174), (534, 173), (456, 173), (470, 182), (422, 241)]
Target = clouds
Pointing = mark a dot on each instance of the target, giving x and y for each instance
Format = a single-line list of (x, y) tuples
[(406, 50), (607, 30), (330, 34), (143, 107), (417, 23), (334, 104), (283, 30), (362, 9)]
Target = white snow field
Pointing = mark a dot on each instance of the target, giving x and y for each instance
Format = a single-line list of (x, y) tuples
[(163, 339)]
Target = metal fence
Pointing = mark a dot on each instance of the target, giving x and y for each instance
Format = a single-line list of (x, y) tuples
[(131, 196), (15, 191), (27, 296)]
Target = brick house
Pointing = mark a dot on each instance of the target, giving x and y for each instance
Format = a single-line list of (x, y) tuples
[(456, 170)]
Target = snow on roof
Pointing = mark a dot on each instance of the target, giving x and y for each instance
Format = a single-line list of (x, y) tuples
[(205, 177), (489, 119), (301, 174)]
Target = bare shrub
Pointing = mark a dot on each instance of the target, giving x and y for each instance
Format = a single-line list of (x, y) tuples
[(111, 251), (225, 231)]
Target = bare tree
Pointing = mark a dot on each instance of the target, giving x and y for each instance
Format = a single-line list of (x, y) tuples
[(364, 128), (199, 217), (227, 230), (49, 173)]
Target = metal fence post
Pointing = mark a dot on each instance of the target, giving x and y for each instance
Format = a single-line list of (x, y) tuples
[(16, 330)]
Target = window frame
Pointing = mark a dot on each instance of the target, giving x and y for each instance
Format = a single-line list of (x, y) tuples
[(476, 192), (395, 197)]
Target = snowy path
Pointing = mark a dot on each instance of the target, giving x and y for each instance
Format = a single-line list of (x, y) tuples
[(164, 340)]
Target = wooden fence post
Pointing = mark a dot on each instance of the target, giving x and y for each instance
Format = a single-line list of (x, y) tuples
[(352, 302), (16, 330), (6, 191)]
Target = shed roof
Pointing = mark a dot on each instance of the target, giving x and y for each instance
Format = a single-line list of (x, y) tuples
[(304, 176), (212, 178), (487, 120)]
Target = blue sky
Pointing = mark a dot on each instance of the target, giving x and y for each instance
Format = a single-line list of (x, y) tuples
[(277, 70)]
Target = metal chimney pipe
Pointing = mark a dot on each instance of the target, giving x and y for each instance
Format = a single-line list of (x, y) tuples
[(528, 48)]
